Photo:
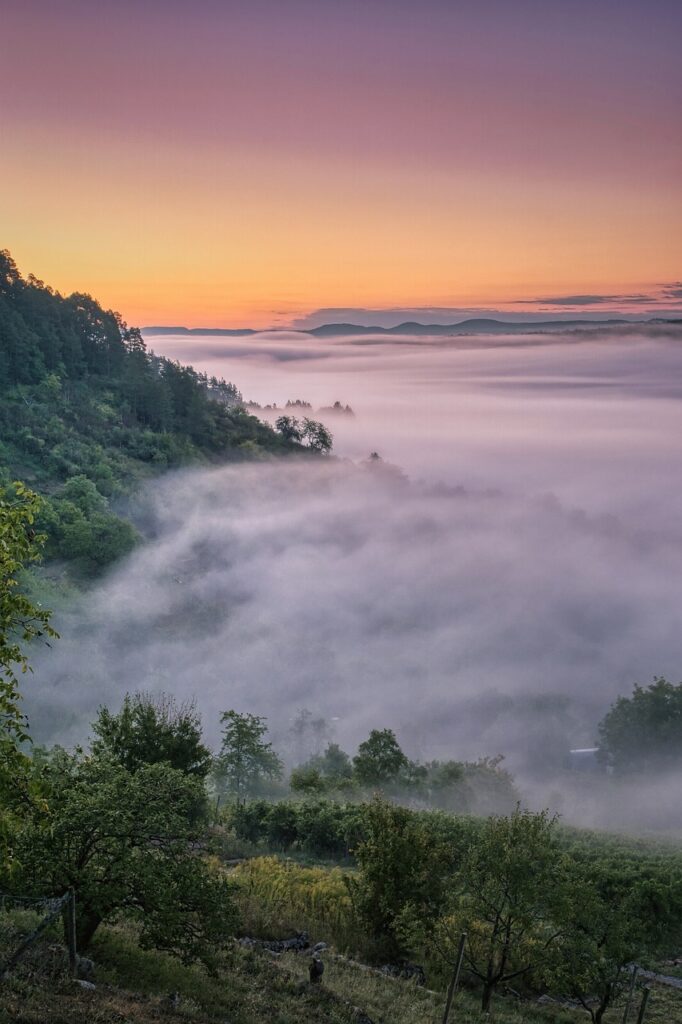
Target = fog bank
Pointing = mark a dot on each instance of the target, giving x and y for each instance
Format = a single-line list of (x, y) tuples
[(495, 599)]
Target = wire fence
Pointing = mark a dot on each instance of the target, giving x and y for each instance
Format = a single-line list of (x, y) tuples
[(51, 908)]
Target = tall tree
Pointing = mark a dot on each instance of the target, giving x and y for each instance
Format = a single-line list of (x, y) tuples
[(245, 757), (379, 759)]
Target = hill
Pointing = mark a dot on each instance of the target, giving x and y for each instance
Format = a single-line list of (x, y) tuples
[(86, 411), (478, 325)]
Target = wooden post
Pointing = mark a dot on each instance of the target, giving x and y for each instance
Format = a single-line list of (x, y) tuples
[(71, 931), (642, 1009), (628, 1004), (454, 981)]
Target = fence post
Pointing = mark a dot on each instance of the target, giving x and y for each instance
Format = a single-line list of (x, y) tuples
[(454, 981), (642, 1009), (628, 1004), (71, 931)]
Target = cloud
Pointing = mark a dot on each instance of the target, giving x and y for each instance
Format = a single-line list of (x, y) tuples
[(590, 300), (673, 291)]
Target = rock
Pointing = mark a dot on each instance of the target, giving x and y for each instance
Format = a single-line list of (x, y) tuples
[(405, 970), (85, 968), (89, 985), (298, 943), (319, 946)]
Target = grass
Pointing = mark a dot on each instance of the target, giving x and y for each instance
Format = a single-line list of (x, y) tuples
[(134, 986)]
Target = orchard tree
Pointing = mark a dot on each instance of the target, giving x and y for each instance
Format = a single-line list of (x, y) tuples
[(644, 732), (152, 730), (127, 842), (245, 757), (404, 867), (509, 894), (622, 910)]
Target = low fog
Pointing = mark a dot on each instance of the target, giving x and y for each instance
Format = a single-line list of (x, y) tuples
[(512, 566)]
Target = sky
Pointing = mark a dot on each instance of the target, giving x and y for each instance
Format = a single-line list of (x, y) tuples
[(258, 163)]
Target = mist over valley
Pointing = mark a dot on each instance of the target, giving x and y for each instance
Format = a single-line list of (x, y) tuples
[(509, 567)]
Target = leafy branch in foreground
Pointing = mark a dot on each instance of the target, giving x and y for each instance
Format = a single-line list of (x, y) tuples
[(21, 621)]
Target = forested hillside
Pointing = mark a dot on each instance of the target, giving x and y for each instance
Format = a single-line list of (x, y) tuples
[(86, 411)]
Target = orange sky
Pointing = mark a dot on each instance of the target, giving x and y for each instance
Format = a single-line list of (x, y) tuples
[(249, 165)]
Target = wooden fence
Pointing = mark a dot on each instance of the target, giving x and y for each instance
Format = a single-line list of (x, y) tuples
[(52, 906)]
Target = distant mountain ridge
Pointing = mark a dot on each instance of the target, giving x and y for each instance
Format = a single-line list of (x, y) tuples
[(478, 325)]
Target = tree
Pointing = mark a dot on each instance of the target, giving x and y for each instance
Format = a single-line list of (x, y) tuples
[(318, 437), (308, 734), (127, 842), (334, 764), (21, 621), (379, 759), (153, 730), (507, 897), (307, 780), (644, 732), (622, 910), (289, 427), (245, 758), (404, 866)]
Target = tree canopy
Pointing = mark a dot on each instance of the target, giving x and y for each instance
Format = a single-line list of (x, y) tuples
[(124, 840), (245, 758), (644, 732), (153, 730)]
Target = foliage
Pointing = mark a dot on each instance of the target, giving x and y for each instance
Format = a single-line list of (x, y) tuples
[(294, 898), (331, 771), (320, 827), (623, 909), (245, 757), (21, 621), (379, 759), (152, 730), (316, 436), (405, 868), (81, 397), (644, 732), (508, 895), (308, 732), (307, 780), (289, 427), (83, 530), (125, 842)]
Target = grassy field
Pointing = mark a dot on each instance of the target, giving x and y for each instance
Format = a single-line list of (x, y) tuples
[(136, 986)]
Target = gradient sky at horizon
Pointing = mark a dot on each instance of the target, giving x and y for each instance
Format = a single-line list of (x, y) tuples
[(225, 163)]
